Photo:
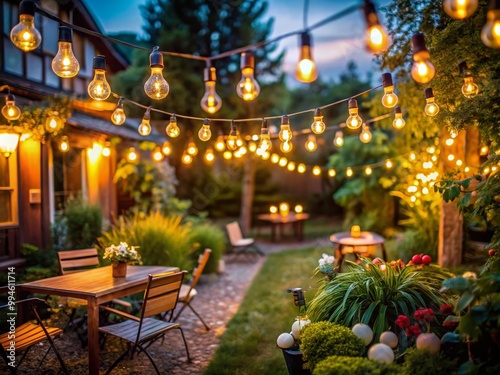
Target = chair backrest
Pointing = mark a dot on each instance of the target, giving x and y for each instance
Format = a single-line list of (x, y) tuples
[(162, 293), (234, 232), (77, 260), (202, 262)]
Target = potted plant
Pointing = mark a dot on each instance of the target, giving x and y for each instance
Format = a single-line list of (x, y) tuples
[(120, 256)]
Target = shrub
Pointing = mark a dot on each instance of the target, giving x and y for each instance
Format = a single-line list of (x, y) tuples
[(40, 264), (320, 340), (421, 362), (209, 236), (340, 365)]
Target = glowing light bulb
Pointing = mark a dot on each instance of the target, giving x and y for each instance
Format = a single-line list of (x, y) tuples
[(376, 38), (460, 9), (283, 162), (316, 171), (64, 144), (285, 133), (286, 146), (53, 123), (306, 68), (318, 126), (399, 121), (106, 150), (484, 150), (205, 133), (451, 157), (413, 156), (157, 154), (211, 102), (339, 138), (490, 34), (459, 162), (145, 126), (273, 209), (311, 144), (298, 209), (469, 89), (389, 164), (291, 166), (186, 158), (191, 148), (156, 87), (65, 64), (227, 155), (332, 172), (132, 155), (453, 133), (349, 172), (431, 108), (10, 111), (232, 139), (301, 168), (265, 143), (353, 121), (209, 155), (166, 148), (118, 116), (389, 99), (220, 144), (275, 158), (422, 70), (172, 129), (24, 35), (466, 169), (242, 150), (368, 170), (252, 147), (99, 88), (365, 136), (449, 142), (266, 155), (248, 88), (431, 149)]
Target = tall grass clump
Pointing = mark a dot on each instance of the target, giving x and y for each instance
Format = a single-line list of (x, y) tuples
[(209, 236)]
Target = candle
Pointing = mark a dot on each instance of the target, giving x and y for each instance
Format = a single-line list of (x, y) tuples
[(355, 231), (284, 209), (273, 210)]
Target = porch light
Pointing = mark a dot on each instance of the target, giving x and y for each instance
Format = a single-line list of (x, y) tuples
[(8, 140)]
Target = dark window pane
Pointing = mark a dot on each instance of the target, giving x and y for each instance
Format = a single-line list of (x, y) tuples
[(50, 36), (51, 79), (13, 58), (67, 169), (6, 211), (35, 67), (6, 18), (4, 173)]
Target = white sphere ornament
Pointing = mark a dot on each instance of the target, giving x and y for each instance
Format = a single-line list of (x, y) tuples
[(381, 353), (389, 338), (285, 341), (298, 325), (429, 342), (364, 332)]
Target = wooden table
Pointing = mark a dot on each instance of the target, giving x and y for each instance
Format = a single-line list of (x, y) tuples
[(344, 239), (97, 286), (278, 221)]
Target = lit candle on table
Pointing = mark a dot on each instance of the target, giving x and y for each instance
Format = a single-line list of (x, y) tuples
[(284, 209), (355, 231), (299, 209)]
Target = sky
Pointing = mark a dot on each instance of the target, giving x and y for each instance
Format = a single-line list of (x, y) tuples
[(335, 44)]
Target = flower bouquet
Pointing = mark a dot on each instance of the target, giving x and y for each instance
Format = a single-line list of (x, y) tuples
[(119, 256), (326, 265)]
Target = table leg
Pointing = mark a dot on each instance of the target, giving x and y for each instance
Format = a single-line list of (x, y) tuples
[(273, 232), (300, 230), (384, 253), (93, 336)]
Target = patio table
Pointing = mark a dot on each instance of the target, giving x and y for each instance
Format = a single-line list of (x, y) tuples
[(342, 240), (278, 221), (97, 286)]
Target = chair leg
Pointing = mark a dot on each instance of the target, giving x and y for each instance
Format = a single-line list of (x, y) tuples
[(258, 250), (185, 344), (199, 317), (151, 359), (179, 313), (23, 356), (65, 370), (118, 360), (43, 359)]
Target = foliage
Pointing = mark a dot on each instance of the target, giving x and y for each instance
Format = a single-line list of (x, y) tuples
[(162, 240), (40, 264), (341, 365), (320, 340), (209, 236), (421, 362), (375, 297)]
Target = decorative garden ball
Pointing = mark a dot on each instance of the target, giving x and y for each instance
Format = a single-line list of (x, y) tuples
[(285, 341), (298, 325), (389, 338), (364, 332), (381, 353), (429, 342)]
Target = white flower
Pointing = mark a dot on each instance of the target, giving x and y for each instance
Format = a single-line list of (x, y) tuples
[(330, 259), (321, 262), (325, 256)]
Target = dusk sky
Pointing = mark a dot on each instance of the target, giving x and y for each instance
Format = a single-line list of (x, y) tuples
[(335, 44)]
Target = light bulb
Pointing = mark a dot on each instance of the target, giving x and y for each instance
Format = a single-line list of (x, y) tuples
[(53, 123), (191, 148), (265, 143), (431, 108), (10, 111), (301, 168), (422, 70), (106, 150), (291, 166), (186, 158), (65, 64), (399, 122), (232, 139), (318, 126), (286, 146), (242, 150), (228, 155), (118, 116), (145, 126), (469, 89), (389, 99), (24, 35), (248, 88), (99, 88), (316, 170), (339, 138), (220, 144), (265, 155), (365, 136), (252, 146), (460, 9), (132, 155), (306, 68), (64, 144), (283, 162), (368, 170), (353, 121), (490, 34), (211, 102), (205, 133), (172, 129), (157, 154), (311, 144), (349, 172), (285, 133), (275, 158), (332, 172), (209, 155), (166, 148), (376, 38), (156, 87), (389, 164)]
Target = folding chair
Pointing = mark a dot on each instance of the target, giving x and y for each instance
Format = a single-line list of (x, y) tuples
[(188, 291), (27, 335), (237, 241), (161, 296)]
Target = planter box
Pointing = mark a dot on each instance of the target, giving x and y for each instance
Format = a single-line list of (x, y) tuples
[(294, 362)]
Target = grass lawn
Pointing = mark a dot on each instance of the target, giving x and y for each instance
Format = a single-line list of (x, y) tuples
[(249, 344)]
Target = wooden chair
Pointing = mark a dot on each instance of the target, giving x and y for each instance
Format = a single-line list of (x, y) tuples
[(28, 334), (188, 291), (237, 241), (161, 296)]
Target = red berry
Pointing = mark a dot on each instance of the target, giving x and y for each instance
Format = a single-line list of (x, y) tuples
[(491, 252), (426, 260), (417, 259)]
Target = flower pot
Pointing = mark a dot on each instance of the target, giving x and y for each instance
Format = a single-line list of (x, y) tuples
[(119, 269), (294, 362)]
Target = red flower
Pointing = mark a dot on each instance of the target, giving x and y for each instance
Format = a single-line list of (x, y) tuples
[(446, 309), (413, 330), (450, 324), (402, 321), (424, 314)]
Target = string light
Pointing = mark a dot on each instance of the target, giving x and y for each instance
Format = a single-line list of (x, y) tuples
[(431, 108), (205, 133), (106, 150), (273, 209), (390, 99), (220, 144), (232, 139), (459, 162), (339, 138), (186, 158), (275, 158), (466, 169), (316, 170), (484, 150), (291, 166), (252, 146), (306, 68), (118, 116), (318, 126), (353, 121), (209, 155), (145, 126), (422, 70), (365, 136), (413, 156), (242, 150), (156, 87), (298, 209), (10, 111), (311, 144), (132, 155), (157, 154), (283, 161), (368, 170), (265, 143), (172, 129), (191, 148), (211, 101), (227, 155), (166, 148), (286, 146), (301, 168), (99, 88), (399, 121), (24, 35), (469, 89), (65, 64), (389, 164), (265, 155), (449, 142), (285, 133), (332, 172), (490, 34), (248, 88), (460, 9), (349, 172), (64, 144), (53, 123), (376, 38)]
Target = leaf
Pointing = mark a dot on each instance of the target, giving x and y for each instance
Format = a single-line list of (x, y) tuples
[(466, 368), (465, 300), (479, 314), (451, 337)]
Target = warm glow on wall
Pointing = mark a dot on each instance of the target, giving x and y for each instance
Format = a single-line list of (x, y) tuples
[(95, 152)]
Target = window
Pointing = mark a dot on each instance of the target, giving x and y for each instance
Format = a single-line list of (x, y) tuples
[(67, 175), (8, 190)]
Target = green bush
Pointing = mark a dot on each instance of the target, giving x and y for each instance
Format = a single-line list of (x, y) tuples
[(209, 236), (320, 340), (40, 264), (420, 362), (339, 365)]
